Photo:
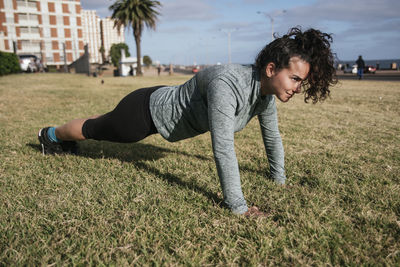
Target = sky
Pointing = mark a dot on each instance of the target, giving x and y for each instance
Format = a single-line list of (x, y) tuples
[(197, 31)]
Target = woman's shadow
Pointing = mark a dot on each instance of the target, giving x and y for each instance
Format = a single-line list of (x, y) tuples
[(139, 154)]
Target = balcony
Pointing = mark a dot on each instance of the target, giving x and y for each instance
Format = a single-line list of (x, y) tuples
[(30, 47), (30, 36), (26, 7), (26, 23)]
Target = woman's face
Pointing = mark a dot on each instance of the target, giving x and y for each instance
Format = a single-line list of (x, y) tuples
[(284, 83)]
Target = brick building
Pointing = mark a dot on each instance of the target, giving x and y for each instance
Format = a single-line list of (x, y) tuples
[(42, 28)]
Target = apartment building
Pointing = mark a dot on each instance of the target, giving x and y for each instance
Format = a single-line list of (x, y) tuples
[(99, 33), (92, 35), (43, 28), (110, 35)]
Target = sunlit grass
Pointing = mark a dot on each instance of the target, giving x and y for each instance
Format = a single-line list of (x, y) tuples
[(159, 202)]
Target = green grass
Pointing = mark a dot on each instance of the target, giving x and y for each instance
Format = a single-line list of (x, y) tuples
[(158, 203)]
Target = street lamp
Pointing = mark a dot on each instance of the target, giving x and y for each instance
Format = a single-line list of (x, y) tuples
[(271, 17), (229, 32)]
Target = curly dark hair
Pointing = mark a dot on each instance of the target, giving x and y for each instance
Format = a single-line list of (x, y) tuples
[(312, 46)]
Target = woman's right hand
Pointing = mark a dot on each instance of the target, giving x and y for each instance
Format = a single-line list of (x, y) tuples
[(254, 212)]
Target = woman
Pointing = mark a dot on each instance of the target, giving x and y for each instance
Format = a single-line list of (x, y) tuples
[(220, 99)]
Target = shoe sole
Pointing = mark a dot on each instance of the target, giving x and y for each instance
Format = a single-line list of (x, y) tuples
[(40, 141)]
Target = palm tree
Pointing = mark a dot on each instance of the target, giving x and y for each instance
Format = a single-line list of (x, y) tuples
[(135, 13)]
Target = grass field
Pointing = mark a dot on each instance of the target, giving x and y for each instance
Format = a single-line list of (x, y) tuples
[(158, 203)]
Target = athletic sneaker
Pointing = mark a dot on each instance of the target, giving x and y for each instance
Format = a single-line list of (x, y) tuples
[(49, 147)]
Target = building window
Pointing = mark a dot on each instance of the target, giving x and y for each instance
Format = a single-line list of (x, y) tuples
[(23, 29), (23, 16), (56, 57), (31, 46), (66, 20), (65, 8), (53, 20), (51, 7), (7, 46), (25, 44), (53, 32), (67, 33), (32, 4), (54, 45), (33, 17), (34, 29), (68, 45), (20, 3)]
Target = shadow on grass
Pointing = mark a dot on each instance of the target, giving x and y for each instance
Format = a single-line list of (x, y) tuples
[(138, 154), (264, 171), (132, 152)]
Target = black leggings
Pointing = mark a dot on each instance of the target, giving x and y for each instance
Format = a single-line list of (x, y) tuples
[(130, 121)]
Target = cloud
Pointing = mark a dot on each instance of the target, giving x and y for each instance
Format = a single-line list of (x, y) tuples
[(245, 31), (94, 4), (383, 28), (171, 10), (344, 18), (356, 10), (366, 11), (101, 6), (181, 10), (175, 30), (253, 2)]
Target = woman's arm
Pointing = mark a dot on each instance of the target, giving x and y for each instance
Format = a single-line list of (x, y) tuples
[(273, 142), (221, 114)]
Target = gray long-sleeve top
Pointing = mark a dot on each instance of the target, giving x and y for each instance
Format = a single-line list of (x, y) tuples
[(222, 100)]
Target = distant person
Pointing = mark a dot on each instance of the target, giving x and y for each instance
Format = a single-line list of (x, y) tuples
[(220, 99), (39, 65), (360, 67), (159, 70)]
